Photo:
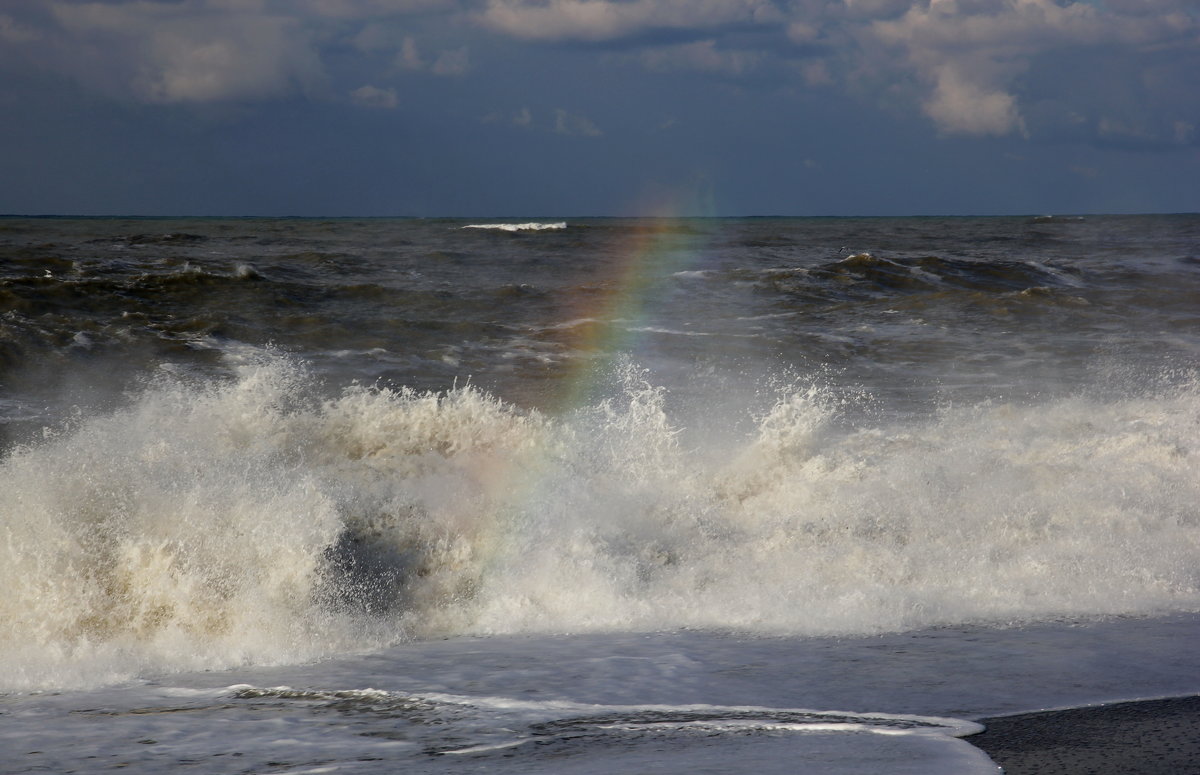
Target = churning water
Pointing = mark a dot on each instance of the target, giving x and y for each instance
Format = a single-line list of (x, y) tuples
[(241, 443)]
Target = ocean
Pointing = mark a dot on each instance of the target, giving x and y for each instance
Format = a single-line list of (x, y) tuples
[(593, 495)]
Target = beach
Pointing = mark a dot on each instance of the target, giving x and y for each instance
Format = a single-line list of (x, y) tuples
[(1149, 737)]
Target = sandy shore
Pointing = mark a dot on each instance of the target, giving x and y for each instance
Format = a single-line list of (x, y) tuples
[(1152, 737)]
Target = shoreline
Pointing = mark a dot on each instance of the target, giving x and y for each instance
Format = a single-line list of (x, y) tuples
[(1142, 737)]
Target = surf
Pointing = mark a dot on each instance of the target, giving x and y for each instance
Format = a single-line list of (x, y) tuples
[(208, 523)]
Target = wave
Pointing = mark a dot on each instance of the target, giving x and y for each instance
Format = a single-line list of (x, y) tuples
[(531, 226), (210, 524)]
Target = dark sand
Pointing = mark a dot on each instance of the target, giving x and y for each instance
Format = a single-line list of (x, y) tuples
[(1152, 737)]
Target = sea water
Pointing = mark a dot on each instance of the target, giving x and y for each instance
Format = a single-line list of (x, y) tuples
[(591, 495)]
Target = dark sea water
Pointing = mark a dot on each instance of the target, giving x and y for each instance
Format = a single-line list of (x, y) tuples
[(911, 308), (588, 495)]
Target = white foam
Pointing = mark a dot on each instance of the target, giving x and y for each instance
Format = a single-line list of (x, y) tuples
[(208, 525), (840, 741), (714, 716), (374, 731), (531, 226)]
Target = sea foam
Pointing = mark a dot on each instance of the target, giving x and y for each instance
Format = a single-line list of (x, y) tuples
[(209, 524), (530, 226)]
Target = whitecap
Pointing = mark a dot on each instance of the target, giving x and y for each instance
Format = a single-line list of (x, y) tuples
[(530, 226)]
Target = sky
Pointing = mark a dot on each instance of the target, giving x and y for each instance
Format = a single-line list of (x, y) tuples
[(513, 108)]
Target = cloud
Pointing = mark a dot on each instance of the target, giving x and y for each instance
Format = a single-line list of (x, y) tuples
[(1144, 133), (522, 118), (960, 104), (375, 37), (409, 57), (357, 9), (1081, 70), (876, 9), (815, 72), (452, 62), (210, 51), (703, 56), (972, 55), (13, 32), (370, 96), (972, 67), (181, 52), (1114, 128), (566, 123), (599, 20), (562, 122), (803, 32)]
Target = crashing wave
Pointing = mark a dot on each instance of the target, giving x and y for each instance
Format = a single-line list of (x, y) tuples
[(213, 524)]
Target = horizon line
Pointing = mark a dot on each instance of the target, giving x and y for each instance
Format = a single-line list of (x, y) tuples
[(539, 217)]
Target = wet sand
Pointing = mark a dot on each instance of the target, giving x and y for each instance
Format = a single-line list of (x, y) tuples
[(1152, 737)]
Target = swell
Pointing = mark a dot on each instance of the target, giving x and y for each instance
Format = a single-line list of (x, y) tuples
[(60, 312), (863, 276)]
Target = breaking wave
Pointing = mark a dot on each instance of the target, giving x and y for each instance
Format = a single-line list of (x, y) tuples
[(531, 226), (210, 524)]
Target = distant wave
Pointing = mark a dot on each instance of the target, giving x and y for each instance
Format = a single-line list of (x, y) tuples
[(1058, 219), (531, 226)]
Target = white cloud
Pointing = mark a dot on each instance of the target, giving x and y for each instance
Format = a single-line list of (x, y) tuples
[(374, 37), (972, 54), (184, 52), (815, 72), (960, 104), (362, 9), (703, 56), (803, 32), (1145, 132), (204, 51), (257, 58), (522, 118), (876, 9), (452, 62), (1117, 129), (567, 123), (564, 123), (409, 57), (448, 62), (973, 67), (597, 20), (1183, 132), (12, 31), (374, 97)]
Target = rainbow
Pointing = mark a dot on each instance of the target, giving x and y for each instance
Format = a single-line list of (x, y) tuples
[(601, 330), (605, 328)]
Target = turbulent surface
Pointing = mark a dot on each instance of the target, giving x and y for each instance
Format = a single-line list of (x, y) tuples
[(909, 306), (244, 440), (589, 496)]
